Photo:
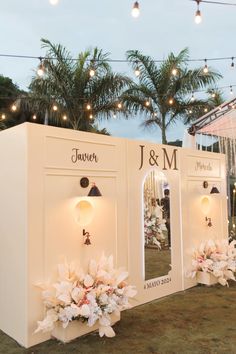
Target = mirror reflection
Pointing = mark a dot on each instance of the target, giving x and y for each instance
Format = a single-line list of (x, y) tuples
[(157, 230)]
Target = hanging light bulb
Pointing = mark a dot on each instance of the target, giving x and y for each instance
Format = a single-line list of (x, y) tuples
[(155, 114), (137, 71), (171, 101), (198, 15), (147, 103), (190, 111), (34, 117), (114, 115), (135, 10), (3, 116), (55, 108), (88, 107), (174, 71), (231, 90), (213, 95), (205, 69), (92, 69), (205, 110), (53, 2), (41, 68), (90, 116), (232, 63), (64, 117), (119, 105), (192, 97), (13, 107)]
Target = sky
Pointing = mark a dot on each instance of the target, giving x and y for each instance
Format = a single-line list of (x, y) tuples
[(164, 26)]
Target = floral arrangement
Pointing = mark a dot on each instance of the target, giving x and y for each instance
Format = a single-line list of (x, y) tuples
[(153, 229), (217, 258), (89, 297)]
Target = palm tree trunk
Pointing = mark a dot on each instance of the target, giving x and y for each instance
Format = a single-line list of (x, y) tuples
[(163, 129)]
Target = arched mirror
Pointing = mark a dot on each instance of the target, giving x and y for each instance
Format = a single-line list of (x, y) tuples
[(157, 230)]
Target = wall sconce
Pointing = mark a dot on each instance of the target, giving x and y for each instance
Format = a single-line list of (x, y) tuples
[(214, 189), (205, 207), (208, 221), (85, 207), (94, 191), (87, 238)]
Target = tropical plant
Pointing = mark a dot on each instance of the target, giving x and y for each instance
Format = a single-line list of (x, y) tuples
[(69, 86), (163, 93)]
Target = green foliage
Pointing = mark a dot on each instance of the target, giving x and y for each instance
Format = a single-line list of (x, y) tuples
[(68, 84), (169, 95)]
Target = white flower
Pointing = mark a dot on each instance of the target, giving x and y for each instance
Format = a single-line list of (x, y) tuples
[(84, 310), (88, 281)]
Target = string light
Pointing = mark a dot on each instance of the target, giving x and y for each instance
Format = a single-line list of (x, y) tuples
[(174, 71), (3, 116), (137, 71), (190, 111), (213, 95), (114, 115), (55, 108), (205, 110), (231, 90), (119, 105), (64, 117), (205, 69), (41, 69), (171, 101), (198, 15), (34, 117), (88, 107), (147, 103), (90, 116), (232, 63), (192, 97), (135, 10), (13, 107)]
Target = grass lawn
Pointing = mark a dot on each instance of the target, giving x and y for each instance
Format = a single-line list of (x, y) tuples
[(201, 320)]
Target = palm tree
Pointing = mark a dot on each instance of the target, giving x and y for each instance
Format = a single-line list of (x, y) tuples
[(163, 93), (69, 88)]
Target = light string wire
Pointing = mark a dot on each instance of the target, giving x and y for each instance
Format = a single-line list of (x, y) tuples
[(19, 56)]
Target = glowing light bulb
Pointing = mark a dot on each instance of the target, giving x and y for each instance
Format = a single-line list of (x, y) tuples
[(135, 10), (205, 110), (234, 226), (205, 69), (64, 117), (34, 117), (192, 98), (171, 101), (213, 95), (147, 103), (91, 72), (3, 116), (137, 72), (54, 2), (174, 72), (55, 108), (190, 111), (13, 108), (41, 69), (114, 116), (90, 116), (155, 114), (198, 17), (88, 107), (231, 90), (119, 105)]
